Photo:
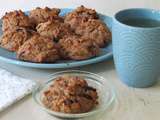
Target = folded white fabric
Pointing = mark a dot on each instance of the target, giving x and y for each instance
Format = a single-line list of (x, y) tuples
[(13, 88)]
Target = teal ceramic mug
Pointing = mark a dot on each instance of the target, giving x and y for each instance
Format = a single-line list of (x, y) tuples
[(136, 48)]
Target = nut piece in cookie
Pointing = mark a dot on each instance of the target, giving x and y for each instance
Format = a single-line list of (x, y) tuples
[(14, 19), (96, 30), (38, 49), (78, 48), (70, 94), (13, 39), (54, 29), (80, 14), (40, 15)]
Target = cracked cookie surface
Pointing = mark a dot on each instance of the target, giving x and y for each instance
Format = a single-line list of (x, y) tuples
[(79, 15), (40, 15), (38, 49), (54, 29), (78, 48), (15, 19), (13, 39), (70, 94), (95, 30)]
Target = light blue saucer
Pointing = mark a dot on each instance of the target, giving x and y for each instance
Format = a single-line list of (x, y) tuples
[(106, 53)]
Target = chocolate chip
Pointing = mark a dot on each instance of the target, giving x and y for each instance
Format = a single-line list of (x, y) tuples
[(89, 88), (68, 102), (56, 40), (18, 29)]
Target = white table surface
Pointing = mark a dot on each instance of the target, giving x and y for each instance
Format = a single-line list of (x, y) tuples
[(131, 104)]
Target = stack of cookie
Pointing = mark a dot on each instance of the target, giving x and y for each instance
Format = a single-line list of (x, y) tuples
[(45, 37)]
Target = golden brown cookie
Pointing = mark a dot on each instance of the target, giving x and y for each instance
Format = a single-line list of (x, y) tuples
[(54, 29), (40, 15), (38, 49), (86, 12), (13, 39), (96, 30), (70, 94), (14, 19), (80, 14), (78, 48)]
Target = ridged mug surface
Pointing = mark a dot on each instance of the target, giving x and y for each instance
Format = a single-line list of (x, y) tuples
[(136, 54)]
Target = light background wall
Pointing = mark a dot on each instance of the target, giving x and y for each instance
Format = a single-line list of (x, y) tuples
[(106, 6)]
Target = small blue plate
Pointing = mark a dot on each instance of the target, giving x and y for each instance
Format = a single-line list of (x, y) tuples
[(106, 53)]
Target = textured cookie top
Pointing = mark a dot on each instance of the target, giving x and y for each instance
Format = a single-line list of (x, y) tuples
[(54, 29), (78, 48), (96, 30), (40, 15), (13, 39), (70, 94), (38, 49), (79, 15), (15, 18), (83, 12)]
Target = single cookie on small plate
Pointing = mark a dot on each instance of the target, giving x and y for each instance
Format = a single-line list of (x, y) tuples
[(13, 39), (70, 94), (78, 47), (96, 30), (54, 29), (80, 14), (14, 19), (40, 15), (38, 49)]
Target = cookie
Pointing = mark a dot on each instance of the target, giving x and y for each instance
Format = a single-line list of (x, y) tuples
[(70, 94), (80, 14), (95, 30), (78, 48), (13, 39), (54, 29), (38, 49), (15, 19), (40, 15)]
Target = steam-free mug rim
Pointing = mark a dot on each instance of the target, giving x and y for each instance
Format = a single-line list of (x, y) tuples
[(146, 11)]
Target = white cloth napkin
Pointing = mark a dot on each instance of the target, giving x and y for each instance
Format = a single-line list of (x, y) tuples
[(13, 88)]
